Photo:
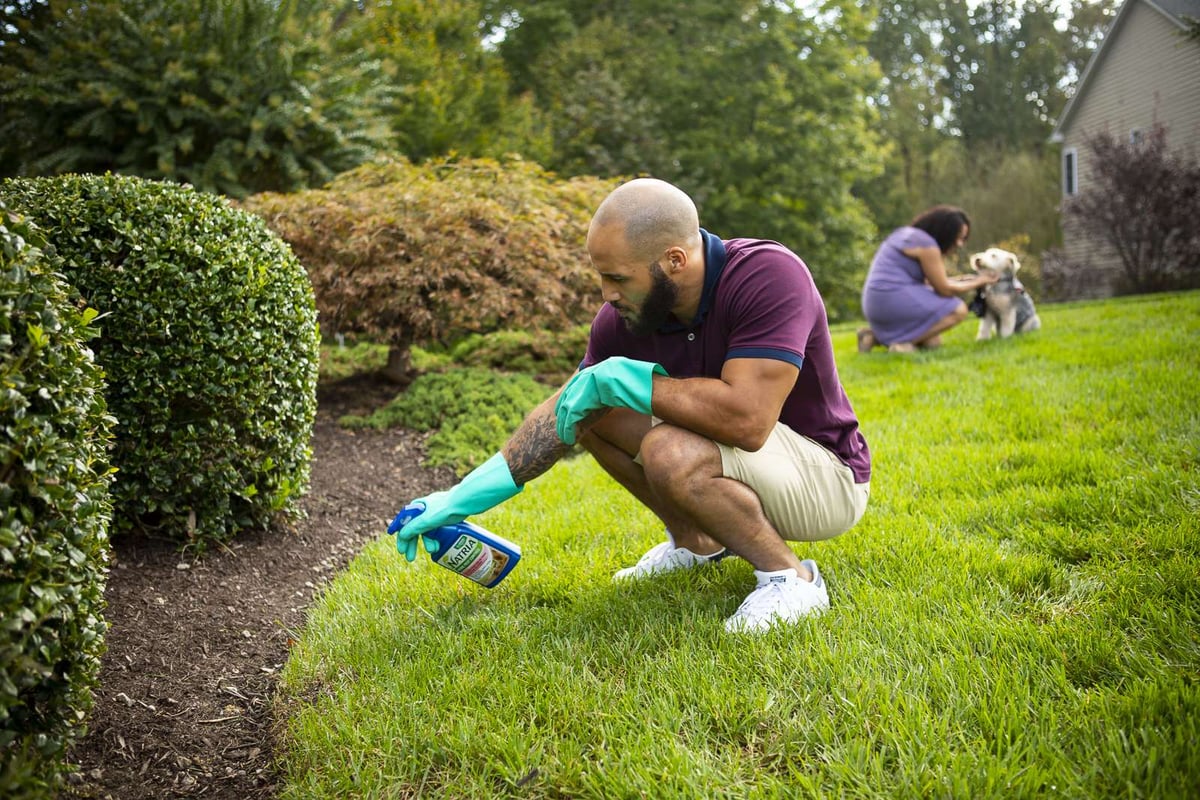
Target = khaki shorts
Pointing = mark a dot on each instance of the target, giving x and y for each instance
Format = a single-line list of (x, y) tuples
[(806, 491)]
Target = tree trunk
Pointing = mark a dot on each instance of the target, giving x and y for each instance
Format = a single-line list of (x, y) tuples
[(398, 369)]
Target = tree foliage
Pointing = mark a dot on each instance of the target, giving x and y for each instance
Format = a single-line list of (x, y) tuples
[(969, 95), (753, 107), (910, 107), (447, 93), (816, 123), (1143, 200), (1005, 70), (996, 73), (431, 253), (1007, 194), (232, 96)]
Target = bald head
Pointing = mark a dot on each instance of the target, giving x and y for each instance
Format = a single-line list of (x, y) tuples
[(651, 214)]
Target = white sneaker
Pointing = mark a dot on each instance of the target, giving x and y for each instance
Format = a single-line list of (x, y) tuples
[(781, 597), (666, 557)]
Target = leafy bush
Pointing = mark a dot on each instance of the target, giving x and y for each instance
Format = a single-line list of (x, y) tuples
[(344, 360), (1143, 201), (210, 346), (552, 354), (549, 356), (54, 514), (474, 411), (429, 254), (233, 97), (1063, 277)]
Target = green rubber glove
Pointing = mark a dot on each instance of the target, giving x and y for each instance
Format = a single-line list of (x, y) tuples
[(616, 381), (489, 484)]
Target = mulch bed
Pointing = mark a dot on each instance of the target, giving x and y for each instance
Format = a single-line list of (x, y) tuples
[(195, 644)]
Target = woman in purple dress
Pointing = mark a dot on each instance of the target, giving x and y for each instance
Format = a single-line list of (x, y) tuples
[(908, 300)]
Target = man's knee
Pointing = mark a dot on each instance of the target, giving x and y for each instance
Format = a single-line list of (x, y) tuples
[(674, 457), (659, 451)]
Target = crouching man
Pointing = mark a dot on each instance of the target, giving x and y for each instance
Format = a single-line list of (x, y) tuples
[(709, 391)]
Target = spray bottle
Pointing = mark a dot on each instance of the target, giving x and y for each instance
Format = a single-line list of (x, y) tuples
[(471, 551)]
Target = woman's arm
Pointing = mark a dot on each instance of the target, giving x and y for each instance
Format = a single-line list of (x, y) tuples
[(934, 268)]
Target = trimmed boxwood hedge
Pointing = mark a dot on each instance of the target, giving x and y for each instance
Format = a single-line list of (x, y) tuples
[(54, 514), (210, 344)]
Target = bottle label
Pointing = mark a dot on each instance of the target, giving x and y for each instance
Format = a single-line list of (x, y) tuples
[(473, 559)]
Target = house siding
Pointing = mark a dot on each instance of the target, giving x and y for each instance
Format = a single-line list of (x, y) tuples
[(1148, 74)]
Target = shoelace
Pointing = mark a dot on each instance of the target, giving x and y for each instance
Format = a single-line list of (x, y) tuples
[(765, 597)]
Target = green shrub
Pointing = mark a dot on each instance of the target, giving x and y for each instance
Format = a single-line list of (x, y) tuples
[(341, 361), (210, 346), (555, 354), (54, 514), (473, 411), (545, 354)]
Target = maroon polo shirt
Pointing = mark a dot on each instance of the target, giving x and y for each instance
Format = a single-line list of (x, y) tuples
[(759, 301)]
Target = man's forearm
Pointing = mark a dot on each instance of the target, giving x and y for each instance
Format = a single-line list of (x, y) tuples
[(534, 447), (740, 408)]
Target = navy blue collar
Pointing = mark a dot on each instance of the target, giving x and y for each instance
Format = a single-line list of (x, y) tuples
[(714, 264)]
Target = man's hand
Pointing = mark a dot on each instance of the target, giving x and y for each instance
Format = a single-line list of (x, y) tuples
[(616, 381), (408, 544), (488, 485)]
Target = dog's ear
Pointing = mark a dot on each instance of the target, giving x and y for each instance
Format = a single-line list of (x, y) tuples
[(1016, 265)]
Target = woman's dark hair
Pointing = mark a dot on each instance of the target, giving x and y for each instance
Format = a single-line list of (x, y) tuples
[(943, 223)]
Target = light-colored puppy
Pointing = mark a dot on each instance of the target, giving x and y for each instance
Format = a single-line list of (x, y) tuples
[(1007, 307)]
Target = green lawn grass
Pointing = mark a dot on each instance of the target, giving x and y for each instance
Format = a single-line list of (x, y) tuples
[(1017, 614)]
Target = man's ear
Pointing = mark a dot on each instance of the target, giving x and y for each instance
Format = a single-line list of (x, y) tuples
[(676, 259)]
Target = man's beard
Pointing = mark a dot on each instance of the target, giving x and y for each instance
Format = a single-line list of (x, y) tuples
[(656, 307)]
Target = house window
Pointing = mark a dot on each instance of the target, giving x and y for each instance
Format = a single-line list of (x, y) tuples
[(1070, 174)]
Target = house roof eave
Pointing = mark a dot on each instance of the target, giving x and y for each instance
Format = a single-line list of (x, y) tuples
[(1064, 119)]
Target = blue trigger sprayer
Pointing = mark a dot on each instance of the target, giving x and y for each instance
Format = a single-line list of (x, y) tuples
[(463, 547)]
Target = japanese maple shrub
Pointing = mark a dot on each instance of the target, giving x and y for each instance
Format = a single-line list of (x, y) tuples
[(54, 513), (210, 345), (429, 254)]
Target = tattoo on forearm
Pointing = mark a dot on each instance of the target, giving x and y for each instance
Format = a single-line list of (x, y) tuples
[(534, 448)]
